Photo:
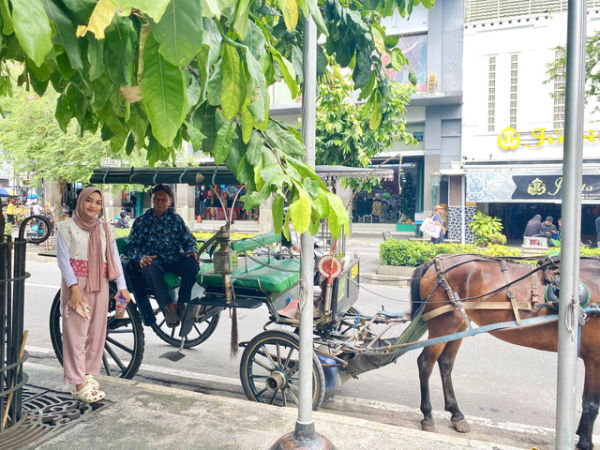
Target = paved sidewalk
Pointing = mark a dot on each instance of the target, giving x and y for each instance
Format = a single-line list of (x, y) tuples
[(145, 416)]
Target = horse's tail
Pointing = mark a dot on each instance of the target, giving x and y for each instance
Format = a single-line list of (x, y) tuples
[(415, 288)]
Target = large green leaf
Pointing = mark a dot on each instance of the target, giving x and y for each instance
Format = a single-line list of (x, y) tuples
[(287, 70), (65, 33), (241, 18), (154, 8), (32, 28), (233, 85), (256, 147), (289, 9), (277, 210), (223, 141), (285, 139), (315, 12), (259, 95), (164, 90), (338, 215), (300, 211), (179, 31)]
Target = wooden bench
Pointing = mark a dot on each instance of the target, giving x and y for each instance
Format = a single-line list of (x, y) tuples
[(536, 242)]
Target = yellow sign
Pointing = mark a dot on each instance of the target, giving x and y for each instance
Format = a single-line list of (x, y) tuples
[(510, 139), (354, 271), (536, 187)]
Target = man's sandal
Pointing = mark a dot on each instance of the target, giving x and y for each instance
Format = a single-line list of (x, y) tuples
[(171, 318), (88, 394), (91, 380)]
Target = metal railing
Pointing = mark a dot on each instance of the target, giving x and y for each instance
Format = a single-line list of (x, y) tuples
[(34, 229)]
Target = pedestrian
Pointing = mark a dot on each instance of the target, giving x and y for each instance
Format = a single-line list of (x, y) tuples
[(10, 212), (87, 258), (534, 226), (437, 218)]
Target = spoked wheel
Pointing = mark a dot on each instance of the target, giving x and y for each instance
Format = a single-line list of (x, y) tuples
[(205, 325), (269, 370), (124, 346)]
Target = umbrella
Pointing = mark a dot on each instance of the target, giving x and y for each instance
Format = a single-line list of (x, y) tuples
[(5, 192), (32, 196)]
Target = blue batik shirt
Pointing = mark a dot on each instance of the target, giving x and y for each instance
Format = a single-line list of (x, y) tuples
[(167, 237)]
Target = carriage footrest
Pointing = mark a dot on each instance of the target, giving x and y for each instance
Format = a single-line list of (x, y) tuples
[(189, 318)]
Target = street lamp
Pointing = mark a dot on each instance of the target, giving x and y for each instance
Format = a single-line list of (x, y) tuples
[(436, 178)]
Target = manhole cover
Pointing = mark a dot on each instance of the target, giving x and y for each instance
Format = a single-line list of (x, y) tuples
[(45, 414)]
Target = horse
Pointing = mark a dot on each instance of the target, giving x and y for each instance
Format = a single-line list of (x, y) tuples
[(472, 279)]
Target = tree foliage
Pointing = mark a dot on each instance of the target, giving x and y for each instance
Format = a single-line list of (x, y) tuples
[(344, 135), (152, 73), (556, 69)]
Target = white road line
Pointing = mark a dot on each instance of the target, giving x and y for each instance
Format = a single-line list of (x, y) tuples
[(49, 286)]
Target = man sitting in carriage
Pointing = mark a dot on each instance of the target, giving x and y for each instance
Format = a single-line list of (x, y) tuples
[(160, 241)]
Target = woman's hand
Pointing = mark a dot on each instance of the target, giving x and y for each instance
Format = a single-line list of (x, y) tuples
[(76, 301), (124, 293)]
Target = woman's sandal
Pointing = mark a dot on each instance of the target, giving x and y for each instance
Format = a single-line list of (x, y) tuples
[(91, 380), (88, 394)]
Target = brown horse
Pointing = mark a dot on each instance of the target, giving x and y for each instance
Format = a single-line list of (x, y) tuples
[(476, 276)]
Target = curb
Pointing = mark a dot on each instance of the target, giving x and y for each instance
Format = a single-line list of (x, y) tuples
[(387, 280)]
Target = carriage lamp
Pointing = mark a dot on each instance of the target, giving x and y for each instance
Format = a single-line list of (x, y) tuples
[(222, 261), (436, 179)]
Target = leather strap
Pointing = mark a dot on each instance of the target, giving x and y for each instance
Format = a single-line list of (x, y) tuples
[(452, 295), (479, 305), (509, 292)]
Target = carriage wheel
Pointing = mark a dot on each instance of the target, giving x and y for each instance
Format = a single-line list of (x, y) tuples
[(269, 370), (124, 346), (201, 331)]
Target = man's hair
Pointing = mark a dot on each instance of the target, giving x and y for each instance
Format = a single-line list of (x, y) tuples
[(164, 188), (549, 219)]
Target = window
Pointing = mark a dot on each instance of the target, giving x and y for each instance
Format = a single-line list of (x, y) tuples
[(491, 93), (559, 94), (414, 48), (514, 79)]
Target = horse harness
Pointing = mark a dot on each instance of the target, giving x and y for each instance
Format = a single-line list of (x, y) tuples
[(456, 303)]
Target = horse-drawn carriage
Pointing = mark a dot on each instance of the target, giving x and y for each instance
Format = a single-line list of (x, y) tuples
[(453, 296)]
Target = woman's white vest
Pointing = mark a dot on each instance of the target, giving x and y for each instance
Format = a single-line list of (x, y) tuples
[(77, 243)]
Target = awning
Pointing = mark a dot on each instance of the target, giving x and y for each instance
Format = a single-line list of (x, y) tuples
[(211, 174)]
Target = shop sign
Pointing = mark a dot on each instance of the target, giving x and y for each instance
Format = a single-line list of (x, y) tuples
[(510, 139), (505, 186), (550, 187)]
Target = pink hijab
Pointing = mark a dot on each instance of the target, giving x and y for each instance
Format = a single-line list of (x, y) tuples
[(92, 226)]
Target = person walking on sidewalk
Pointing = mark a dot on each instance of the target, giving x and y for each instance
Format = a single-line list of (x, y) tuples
[(160, 241), (437, 218), (87, 258)]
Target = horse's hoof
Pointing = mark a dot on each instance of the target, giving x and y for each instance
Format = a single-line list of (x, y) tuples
[(427, 426), (462, 426)]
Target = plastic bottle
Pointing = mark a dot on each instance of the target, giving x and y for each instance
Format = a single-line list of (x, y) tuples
[(120, 307)]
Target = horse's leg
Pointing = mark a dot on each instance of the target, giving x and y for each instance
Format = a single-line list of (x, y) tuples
[(446, 363), (591, 401), (425, 363)]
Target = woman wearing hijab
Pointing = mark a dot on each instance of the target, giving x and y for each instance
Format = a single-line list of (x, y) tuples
[(534, 226), (87, 258)]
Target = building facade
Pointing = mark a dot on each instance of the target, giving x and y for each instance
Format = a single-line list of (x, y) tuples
[(513, 114)]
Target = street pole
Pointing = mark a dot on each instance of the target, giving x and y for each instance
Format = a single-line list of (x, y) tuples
[(571, 214), (304, 435), (462, 209)]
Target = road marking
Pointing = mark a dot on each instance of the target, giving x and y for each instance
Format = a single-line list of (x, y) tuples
[(49, 286)]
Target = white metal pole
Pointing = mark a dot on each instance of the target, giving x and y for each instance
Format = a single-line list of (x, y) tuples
[(309, 101), (571, 215), (463, 221)]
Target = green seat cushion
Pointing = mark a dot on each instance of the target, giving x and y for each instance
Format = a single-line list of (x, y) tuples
[(207, 277), (172, 280), (121, 244), (269, 278), (243, 245)]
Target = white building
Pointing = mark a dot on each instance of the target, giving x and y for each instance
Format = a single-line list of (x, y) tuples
[(512, 126)]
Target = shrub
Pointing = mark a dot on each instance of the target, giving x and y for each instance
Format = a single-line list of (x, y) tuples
[(498, 239), (415, 253), (484, 227)]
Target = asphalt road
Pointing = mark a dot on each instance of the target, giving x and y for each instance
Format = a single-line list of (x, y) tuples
[(507, 392)]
